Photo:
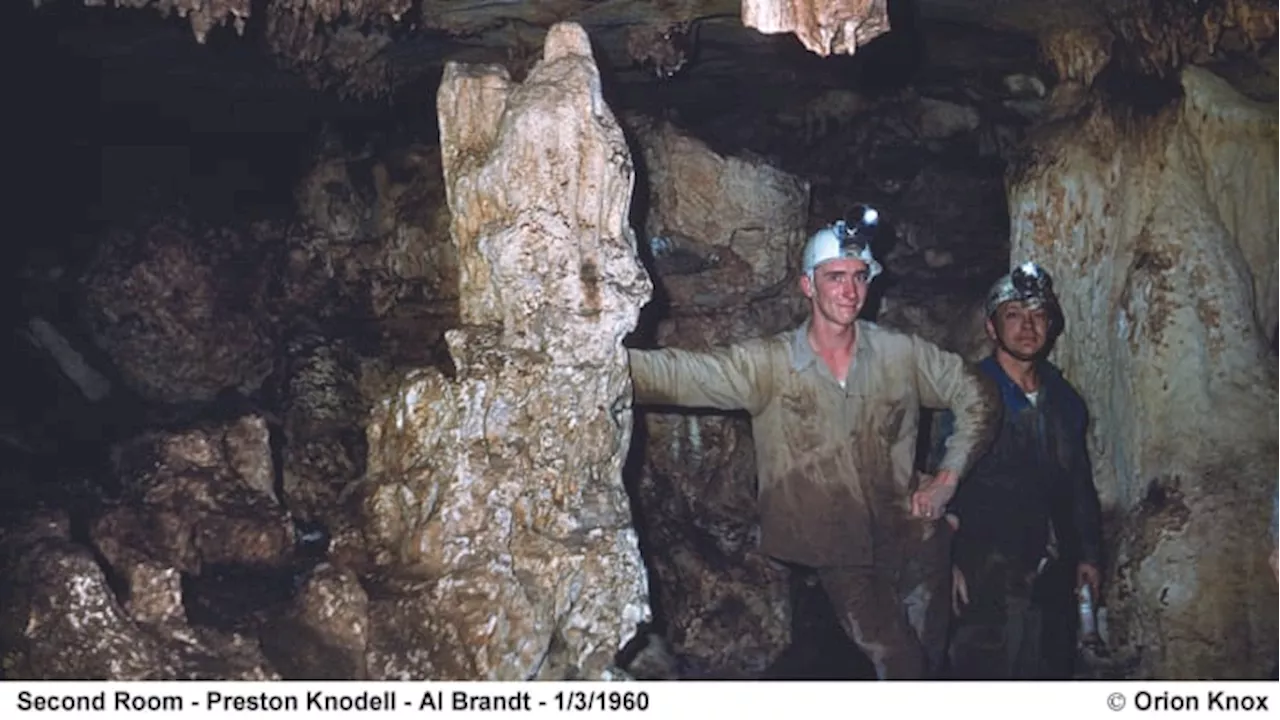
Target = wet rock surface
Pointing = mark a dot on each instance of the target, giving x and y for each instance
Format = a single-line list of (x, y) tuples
[(183, 309), (62, 621), (196, 499)]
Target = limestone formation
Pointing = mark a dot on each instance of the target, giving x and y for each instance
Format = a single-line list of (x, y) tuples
[(1160, 231), (823, 26), (183, 309), (195, 499), (324, 449), (60, 620), (494, 497), (1159, 38), (723, 231), (324, 635)]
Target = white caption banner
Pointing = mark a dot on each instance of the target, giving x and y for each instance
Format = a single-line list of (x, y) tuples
[(701, 700)]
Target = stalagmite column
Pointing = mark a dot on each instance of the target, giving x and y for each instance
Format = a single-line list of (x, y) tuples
[(1160, 231), (501, 488), (823, 26)]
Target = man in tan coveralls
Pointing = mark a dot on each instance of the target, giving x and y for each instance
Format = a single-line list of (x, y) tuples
[(835, 406)]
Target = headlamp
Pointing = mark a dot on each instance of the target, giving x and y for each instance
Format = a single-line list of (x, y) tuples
[(1031, 282)]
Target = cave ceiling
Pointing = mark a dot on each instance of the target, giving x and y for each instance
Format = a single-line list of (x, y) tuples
[(239, 88), (361, 50)]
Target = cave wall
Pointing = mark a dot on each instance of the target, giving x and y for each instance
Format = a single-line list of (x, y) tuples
[(1160, 229)]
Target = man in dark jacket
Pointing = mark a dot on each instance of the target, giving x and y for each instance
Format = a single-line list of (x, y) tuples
[(1027, 516)]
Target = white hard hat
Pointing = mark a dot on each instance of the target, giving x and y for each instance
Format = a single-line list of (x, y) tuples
[(839, 241)]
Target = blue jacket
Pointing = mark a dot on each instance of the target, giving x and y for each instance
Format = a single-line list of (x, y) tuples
[(1036, 470)]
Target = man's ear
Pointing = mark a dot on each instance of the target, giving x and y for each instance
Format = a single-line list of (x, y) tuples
[(806, 285), (991, 330)]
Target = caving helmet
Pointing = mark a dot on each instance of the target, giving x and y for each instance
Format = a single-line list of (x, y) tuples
[(841, 240), (1032, 285)]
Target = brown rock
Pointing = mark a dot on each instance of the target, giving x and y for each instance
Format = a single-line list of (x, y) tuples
[(186, 504), (184, 312), (325, 633), (60, 620), (728, 230), (155, 594), (373, 249)]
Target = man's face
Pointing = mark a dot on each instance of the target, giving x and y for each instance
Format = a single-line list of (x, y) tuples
[(838, 290), (1019, 330)]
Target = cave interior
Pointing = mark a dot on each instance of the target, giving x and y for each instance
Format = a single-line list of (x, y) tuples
[(128, 126)]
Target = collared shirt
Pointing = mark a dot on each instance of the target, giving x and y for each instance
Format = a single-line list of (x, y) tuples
[(835, 463)]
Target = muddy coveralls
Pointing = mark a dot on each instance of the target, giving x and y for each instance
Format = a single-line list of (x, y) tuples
[(1020, 622), (835, 463)]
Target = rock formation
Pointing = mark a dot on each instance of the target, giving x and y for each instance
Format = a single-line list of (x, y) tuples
[(161, 301), (195, 502), (499, 490), (822, 26), (1160, 230)]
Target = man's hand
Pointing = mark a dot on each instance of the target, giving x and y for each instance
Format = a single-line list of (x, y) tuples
[(959, 590), (931, 499), (1087, 574)]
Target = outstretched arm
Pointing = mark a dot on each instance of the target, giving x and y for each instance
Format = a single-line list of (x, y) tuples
[(735, 377)]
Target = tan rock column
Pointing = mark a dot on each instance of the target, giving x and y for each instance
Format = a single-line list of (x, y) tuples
[(500, 488)]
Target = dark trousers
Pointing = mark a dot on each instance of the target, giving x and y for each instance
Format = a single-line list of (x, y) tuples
[(924, 589), (1017, 625), (898, 612), (865, 601)]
